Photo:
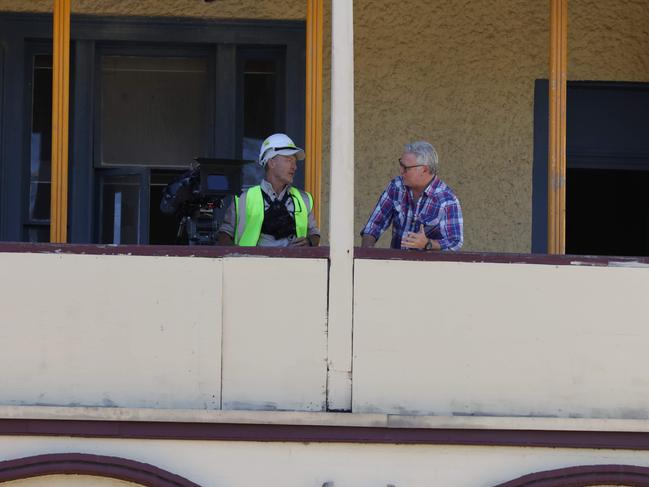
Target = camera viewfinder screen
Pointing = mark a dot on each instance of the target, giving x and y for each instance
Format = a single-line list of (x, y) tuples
[(217, 182)]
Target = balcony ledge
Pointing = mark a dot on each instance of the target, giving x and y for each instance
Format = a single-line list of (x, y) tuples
[(328, 419)]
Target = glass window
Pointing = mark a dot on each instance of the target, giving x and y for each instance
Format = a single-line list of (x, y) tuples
[(260, 113), (146, 100), (40, 149), (260, 95), (164, 229), (153, 110), (120, 209)]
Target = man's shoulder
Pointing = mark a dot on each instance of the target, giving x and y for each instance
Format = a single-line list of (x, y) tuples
[(249, 188), (442, 194), (244, 193), (249, 194), (395, 185), (441, 188)]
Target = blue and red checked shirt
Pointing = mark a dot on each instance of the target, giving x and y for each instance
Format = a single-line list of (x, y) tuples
[(438, 209)]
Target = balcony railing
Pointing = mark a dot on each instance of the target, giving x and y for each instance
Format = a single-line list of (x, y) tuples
[(225, 328)]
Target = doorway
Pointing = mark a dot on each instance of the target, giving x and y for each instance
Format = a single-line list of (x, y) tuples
[(607, 205)]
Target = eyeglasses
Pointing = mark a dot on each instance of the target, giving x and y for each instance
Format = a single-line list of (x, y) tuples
[(405, 168)]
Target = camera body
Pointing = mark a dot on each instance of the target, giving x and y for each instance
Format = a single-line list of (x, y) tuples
[(196, 194)]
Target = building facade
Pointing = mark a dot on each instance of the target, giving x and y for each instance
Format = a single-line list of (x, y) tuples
[(127, 360)]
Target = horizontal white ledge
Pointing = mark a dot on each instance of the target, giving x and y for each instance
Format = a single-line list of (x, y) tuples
[(322, 419)]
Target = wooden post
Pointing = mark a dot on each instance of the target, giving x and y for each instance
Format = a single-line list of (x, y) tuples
[(557, 127), (60, 116), (341, 208), (313, 168)]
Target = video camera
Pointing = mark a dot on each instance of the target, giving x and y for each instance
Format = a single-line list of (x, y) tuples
[(196, 194)]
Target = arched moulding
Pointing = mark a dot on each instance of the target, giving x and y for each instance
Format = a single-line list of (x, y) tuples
[(94, 465), (585, 475)]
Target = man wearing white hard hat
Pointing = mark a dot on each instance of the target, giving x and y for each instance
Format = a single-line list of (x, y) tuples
[(273, 213)]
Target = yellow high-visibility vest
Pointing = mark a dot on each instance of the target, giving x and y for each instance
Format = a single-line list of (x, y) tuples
[(254, 211)]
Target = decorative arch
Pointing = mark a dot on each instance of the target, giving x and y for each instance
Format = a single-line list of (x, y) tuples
[(95, 465), (584, 476)]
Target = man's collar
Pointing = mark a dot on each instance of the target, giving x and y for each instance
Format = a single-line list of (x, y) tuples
[(268, 188), (431, 186)]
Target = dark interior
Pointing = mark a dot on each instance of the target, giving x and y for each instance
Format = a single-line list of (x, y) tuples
[(607, 212)]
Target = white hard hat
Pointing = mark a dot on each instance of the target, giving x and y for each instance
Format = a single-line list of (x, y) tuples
[(278, 144)]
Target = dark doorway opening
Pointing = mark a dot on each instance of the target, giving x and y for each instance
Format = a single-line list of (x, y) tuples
[(607, 212), (607, 148)]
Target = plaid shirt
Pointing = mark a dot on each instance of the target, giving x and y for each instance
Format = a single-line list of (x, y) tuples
[(437, 208)]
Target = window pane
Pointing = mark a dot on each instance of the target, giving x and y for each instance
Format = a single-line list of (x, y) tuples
[(120, 209), (153, 110), (259, 107), (259, 78), (40, 233), (163, 227), (41, 139)]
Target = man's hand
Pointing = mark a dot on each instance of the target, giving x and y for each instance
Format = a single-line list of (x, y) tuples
[(299, 242), (414, 240), (223, 238)]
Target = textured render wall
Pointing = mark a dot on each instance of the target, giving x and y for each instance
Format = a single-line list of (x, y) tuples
[(608, 40), (230, 9), (460, 75)]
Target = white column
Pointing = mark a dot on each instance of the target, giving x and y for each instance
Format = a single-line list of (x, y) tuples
[(341, 209)]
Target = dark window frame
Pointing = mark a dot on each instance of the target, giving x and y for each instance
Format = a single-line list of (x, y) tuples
[(90, 33), (2, 140), (32, 49), (144, 177)]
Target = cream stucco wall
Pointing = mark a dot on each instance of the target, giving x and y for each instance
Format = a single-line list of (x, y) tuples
[(161, 332), (244, 333), (110, 331), (500, 339)]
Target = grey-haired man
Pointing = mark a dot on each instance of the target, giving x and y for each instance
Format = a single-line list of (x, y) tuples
[(424, 212)]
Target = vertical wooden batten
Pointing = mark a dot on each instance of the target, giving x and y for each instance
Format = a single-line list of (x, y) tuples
[(60, 117), (557, 127), (341, 209), (313, 142)]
